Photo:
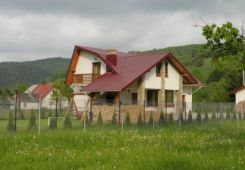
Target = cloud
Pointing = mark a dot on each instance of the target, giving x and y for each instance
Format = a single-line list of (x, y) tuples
[(39, 29)]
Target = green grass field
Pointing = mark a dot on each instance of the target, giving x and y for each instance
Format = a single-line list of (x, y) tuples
[(214, 145)]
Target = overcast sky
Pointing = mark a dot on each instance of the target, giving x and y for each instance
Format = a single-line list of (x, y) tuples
[(34, 29)]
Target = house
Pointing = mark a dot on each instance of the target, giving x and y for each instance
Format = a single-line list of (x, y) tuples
[(155, 81), (240, 99), (36, 93)]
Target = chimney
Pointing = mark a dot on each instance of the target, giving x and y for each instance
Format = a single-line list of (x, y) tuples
[(111, 56)]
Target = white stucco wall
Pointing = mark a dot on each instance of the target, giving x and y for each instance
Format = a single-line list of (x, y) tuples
[(84, 64), (151, 80), (172, 81), (28, 105), (187, 91), (125, 96), (240, 96)]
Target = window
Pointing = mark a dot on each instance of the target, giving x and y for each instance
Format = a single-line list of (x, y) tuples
[(152, 98), (108, 69), (158, 69), (110, 97), (169, 97), (134, 98), (166, 69)]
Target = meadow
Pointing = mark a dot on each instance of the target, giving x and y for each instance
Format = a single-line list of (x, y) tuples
[(213, 145)]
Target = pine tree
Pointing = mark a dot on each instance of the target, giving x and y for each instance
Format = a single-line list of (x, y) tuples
[(11, 126), (189, 116), (127, 120), (199, 118), (32, 122), (205, 119), (114, 119), (140, 121), (162, 118), (151, 119), (213, 116), (67, 122), (171, 118), (99, 120)]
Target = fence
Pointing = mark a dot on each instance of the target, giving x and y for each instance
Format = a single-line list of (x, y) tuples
[(124, 115)]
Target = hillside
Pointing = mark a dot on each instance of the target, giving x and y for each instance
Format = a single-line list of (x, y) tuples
[(31, 72)]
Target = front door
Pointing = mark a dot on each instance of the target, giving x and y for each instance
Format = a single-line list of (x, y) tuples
[(96, 70)]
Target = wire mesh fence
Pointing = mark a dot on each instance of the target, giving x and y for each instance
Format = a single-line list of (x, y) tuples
[(129, 116)]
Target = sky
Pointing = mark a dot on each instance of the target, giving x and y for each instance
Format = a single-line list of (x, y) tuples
[(36, 29)]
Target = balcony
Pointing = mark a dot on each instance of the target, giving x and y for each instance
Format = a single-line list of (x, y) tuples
[(84, 79)]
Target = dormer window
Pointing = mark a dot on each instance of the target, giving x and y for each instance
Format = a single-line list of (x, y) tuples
[(158, 69), (166, 69)]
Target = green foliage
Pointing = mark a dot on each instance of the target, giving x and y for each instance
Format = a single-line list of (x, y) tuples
[(213, 116), (151, 119), (11, 126), (228, 116), (171, 118), (162, 118), (53, 123), (114, 119), (21, 115), (189, 116), (99, 120), (140, 120), (32, 122), (127, 120), (199, 118), (205, 119), (234, 116), (67, 122), (13, 73)]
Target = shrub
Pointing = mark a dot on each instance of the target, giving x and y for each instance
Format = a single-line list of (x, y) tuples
[(171, 117), (151, 119), (181, 117), (114, 119), (234, 117), (11, 126), (32, 122), (140, 121), (22, 116), (67, 122), (99, 120), (228, 116), (199, 118), (162, 118), (53, 123), (240, 116), (127, 120), (221, 116), (189, 116), (43, 114), (205, 119), (213, 116)]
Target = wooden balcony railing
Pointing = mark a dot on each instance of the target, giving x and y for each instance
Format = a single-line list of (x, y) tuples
[(84, 79)]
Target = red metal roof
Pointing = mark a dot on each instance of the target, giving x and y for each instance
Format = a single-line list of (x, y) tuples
[(238, 89), (129, 68), (42, 90)]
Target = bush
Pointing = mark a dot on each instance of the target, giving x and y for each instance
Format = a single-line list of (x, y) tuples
[(99, 120), (151, 119), (127, 120), (11, 126), (199, 118), (189, 116), (228, 116), (162, 118), (22, 116), (221, 116), (171, 117), (114, 119), (213, 116), (32, 122), (53, 123), (181, 117), (67, 122), (43, 114), (234, 117), (205, 119), (140, 121), (240, 116)]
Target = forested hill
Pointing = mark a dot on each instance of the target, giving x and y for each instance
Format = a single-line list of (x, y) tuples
[(31, 72)]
